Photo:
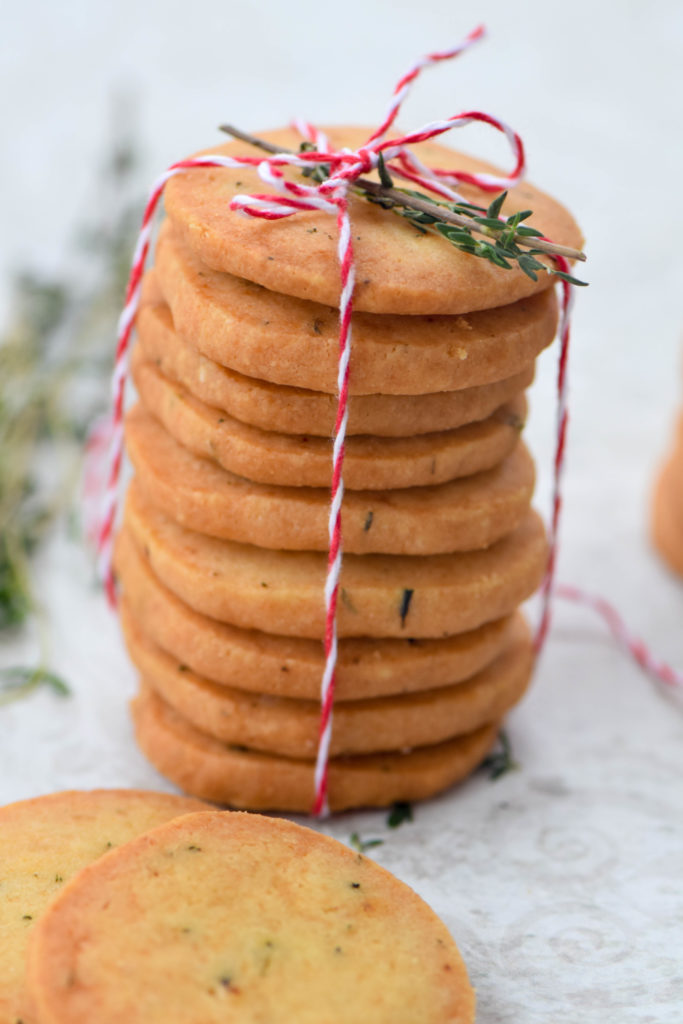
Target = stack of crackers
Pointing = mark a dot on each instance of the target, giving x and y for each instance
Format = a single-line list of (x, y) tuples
[(223, 551), (667, 511)]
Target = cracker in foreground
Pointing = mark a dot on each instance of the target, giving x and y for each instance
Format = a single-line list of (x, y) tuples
[(229, 917), (279, 591), (43, 843)]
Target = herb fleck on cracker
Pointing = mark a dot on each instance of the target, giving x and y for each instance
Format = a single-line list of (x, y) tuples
[(405, 605)]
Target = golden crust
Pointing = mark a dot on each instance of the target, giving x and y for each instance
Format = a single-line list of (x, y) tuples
[(370, 463), (290, 727), (302, 411), (667, 516), (398, 269), (46, 841), (241, 777)]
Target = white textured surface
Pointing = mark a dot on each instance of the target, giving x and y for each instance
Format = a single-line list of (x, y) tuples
[(562, 881)]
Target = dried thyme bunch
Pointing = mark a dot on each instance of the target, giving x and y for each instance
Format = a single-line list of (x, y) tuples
[(55, 360)]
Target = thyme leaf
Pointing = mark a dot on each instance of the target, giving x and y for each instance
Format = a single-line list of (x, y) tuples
[(317, 172), (406, 598), (499, 762), (19, 681), (55, 360), (363, 845), (508, 242), (385, 178)]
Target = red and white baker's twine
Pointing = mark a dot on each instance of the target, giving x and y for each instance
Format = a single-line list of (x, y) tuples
[(558, 461), (331, 196)]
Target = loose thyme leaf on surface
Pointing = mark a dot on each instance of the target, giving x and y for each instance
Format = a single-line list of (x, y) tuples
[(400, 812), (500, 762), (362, 845)]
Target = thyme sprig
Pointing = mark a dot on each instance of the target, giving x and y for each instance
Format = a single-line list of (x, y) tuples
[(479, 231)]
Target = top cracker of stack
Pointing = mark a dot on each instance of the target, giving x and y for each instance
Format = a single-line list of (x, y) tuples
[(222, 555)]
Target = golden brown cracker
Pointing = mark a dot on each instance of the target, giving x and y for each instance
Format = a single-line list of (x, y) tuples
[(399, 269), (44, 842), (243, 778), (473, 512), (292, 666), (236, 917), (302, 411), (291, 727), (381, 595), (370, 463), (263, 334)]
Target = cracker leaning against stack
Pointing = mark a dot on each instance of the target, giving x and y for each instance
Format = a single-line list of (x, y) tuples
[(222, 554)]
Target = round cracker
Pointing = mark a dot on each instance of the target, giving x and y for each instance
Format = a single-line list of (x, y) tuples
[(291, 727), (667, 517), (291, 666), (301, 411), (473, 512), (289, 341), (370, 463), (399, 269), (244, 778)]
